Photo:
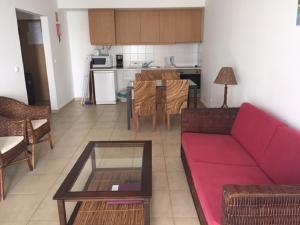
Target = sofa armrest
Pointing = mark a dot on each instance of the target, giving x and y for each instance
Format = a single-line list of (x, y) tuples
[(261, 204), (209, 120)]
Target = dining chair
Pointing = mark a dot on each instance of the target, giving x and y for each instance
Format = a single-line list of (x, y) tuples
[(12, 145), (175, 100), (170, 75), (151, 74), (144, 101), (38, 121)]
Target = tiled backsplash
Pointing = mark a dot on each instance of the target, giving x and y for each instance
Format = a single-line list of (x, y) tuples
[(184, 54)]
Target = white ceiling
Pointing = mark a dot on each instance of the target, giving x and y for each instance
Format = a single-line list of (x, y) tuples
[(85, 4)]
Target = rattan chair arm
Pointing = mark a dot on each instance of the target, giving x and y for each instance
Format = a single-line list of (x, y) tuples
[(12, 127), (208, 120), (261, 204), (38, 112)]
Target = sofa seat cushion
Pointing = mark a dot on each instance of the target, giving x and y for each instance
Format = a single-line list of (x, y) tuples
[(7, 143), (282, 157), (38, 123), (211, 148), (253, 129), (209, 180)]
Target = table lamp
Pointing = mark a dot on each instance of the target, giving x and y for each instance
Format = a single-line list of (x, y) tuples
[(226, 76)]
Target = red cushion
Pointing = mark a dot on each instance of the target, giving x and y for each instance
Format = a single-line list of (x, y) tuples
[(222, 149), (253, 129), (282, 157), (209, 180)]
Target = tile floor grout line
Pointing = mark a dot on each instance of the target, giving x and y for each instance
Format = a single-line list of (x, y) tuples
[(169, 191)]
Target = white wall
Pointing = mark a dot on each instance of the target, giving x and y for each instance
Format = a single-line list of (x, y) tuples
[(85, 4), (260, 39), (80, 48), (12, 83)]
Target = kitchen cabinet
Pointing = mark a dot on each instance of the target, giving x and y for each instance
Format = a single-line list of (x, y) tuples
[(128, 26), (149, 26), (102, 26), (189, 25), (105, 87), (167, 26)]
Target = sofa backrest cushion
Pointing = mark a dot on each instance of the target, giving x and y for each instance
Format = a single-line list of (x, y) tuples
[(253, 129), (281, 161)]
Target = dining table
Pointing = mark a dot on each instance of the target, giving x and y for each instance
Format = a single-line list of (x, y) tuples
[(160, 84)]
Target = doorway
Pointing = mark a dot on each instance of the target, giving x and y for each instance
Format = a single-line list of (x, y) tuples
[(33, 56)]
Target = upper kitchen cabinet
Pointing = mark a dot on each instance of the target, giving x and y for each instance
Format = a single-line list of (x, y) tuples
[(102, 26), (189, 25), (128, 26), (167, 26), (149, 26)]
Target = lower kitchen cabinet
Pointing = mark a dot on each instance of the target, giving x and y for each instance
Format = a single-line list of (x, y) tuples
[(105, 87)]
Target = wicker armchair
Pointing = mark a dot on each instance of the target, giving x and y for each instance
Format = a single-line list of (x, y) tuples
[(37, 117), (144, 101), (12, 144)]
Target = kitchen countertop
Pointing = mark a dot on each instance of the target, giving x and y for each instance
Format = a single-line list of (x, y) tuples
[(150, 68)]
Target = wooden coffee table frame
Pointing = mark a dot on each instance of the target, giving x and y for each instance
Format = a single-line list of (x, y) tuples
[(64, 193)]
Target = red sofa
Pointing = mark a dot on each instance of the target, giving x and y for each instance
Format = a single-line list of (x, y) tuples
[(242, 165)]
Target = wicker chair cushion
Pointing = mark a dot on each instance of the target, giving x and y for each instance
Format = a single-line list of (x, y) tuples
[(253, 129), (38, 123), (282, 157), (8, 143), (214, 148), (209, 180)]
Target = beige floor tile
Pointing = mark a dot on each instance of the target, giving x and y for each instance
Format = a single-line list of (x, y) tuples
[(43, 223), (182, 204), (58, 153), (159, 181), (187, 221), (158, 164), (69, 142), (174, 165), (157, 150), (172, 150), (160, 204), (19, 208), (47, 210), (33, 185), (161, 221), (177, 181), (13, 223), (50, 166)]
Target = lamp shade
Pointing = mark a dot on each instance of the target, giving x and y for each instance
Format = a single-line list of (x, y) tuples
[(226, 76)]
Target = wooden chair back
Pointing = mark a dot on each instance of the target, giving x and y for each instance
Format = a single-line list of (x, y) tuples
[(138, 77), (144, 97), (170, 75), (151, 75), (176, 96)]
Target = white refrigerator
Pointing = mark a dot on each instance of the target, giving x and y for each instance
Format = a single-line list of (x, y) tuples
[(105, 87)]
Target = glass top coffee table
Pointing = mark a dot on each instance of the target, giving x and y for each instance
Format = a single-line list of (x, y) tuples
[(112, 184)]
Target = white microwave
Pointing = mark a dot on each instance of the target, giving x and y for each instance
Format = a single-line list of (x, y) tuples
[(102, 61)]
